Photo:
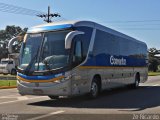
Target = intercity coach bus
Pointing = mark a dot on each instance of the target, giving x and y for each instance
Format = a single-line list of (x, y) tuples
[(79, 57)]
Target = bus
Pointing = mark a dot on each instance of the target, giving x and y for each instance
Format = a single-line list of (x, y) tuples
[(73, 58)]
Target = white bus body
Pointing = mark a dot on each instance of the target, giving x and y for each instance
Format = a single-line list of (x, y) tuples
[(75, 58)]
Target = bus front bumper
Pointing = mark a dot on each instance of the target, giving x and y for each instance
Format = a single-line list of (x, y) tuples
[(52, 89)]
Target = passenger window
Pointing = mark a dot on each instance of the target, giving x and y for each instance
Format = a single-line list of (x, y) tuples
[(10, 62), (77, 58)]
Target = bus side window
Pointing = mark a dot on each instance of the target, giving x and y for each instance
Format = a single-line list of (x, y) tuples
[(77, 57)]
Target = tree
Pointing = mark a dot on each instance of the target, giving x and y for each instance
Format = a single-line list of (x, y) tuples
[(153, 60), (6, 35)]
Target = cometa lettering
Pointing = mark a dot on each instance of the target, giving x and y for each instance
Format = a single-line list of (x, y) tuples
[(117, 61)]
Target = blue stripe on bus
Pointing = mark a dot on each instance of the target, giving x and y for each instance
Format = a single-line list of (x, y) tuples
[(40, 77), (104, 60), (49, 28)]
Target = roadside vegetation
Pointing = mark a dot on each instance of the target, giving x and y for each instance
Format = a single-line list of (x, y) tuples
[(153, 73), (7, 80), (8, 83)]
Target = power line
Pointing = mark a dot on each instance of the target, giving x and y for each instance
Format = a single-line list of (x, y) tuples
[(47, 17), (12, 8), (147, 29), (18, 10), (137, 25), (25, 11), (145, 25), (131, 21)]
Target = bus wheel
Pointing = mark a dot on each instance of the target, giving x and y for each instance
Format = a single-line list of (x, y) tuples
[(136, 82), (53, 97), (94, 91), (5, 73), (13, 72)]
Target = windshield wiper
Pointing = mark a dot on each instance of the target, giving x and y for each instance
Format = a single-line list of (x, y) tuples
[(46, 65), (27, 70)]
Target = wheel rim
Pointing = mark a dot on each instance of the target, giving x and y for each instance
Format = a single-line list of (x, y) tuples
[(137, 83), (13, 71), (94, 89)]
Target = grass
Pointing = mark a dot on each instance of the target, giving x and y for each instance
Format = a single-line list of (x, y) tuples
[(153, 73), (8, 83)]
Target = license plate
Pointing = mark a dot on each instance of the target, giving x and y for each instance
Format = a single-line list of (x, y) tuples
[(37, 91)]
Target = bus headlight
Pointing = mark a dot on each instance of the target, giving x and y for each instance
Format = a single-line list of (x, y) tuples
[(62, 80), (65, 78)]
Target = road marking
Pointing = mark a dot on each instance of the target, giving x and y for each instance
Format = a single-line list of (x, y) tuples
[(156, 85), (23, 98), (20, 100), (10, 96), (153, 86), (50, 114)]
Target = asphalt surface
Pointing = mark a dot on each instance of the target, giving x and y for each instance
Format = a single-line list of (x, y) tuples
[(118, 104)]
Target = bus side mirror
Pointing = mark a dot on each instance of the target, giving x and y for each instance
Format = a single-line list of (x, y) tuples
[(10, 48), (69, 38)]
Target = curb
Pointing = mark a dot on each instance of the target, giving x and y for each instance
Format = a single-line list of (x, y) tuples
[(8, 87)]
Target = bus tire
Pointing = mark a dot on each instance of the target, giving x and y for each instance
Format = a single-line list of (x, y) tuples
[(95, 89), (5, 73), (136, 82), (53, 97), (13, 72)]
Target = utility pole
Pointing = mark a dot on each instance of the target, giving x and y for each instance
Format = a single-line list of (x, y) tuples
[(49, 16), (48, 20)]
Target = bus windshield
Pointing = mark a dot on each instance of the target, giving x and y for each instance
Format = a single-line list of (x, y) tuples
[(44, 51)]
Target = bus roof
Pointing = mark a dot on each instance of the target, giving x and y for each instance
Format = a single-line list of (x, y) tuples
[(71, 24)]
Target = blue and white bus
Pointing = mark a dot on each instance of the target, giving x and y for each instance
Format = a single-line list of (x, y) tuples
[(79, 57)]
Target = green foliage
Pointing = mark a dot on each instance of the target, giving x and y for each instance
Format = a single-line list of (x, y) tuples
[(153, 60), (153, 73), (6, 35), (9, 32), (8, 83)]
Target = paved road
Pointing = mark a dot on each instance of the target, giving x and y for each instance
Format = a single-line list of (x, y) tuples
[(142, 103)]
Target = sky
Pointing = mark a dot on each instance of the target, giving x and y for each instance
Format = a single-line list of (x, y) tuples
[(139, 19)]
